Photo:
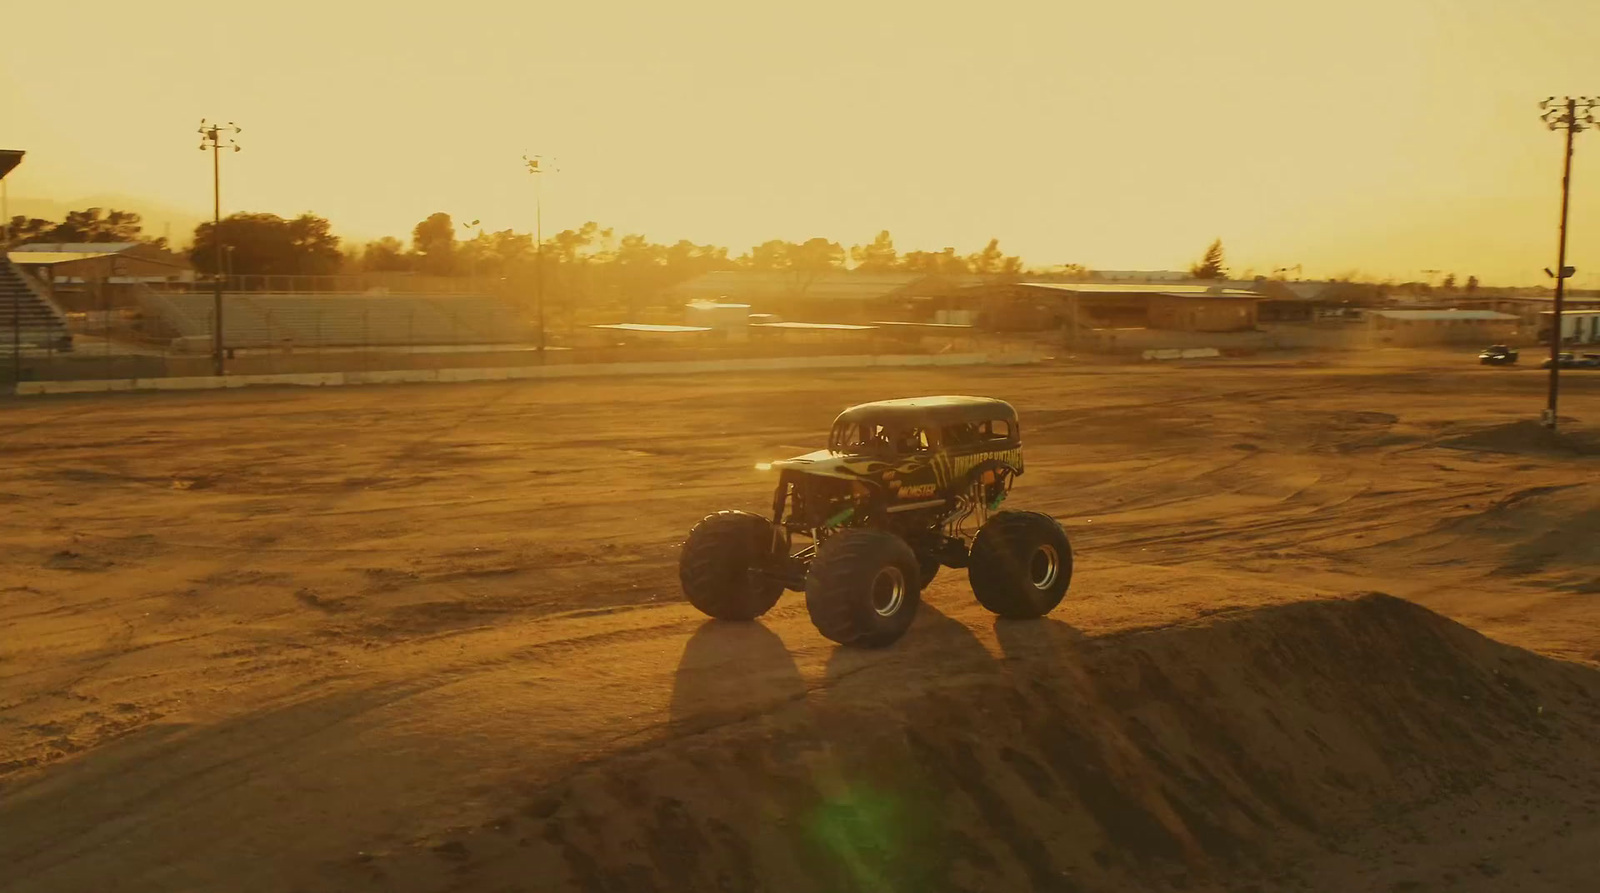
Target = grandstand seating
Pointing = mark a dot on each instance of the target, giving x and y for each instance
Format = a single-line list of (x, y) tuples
[(252, 319), (27, 317)]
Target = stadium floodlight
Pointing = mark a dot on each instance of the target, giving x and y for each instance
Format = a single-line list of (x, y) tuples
[(535, 165), (213, 136)]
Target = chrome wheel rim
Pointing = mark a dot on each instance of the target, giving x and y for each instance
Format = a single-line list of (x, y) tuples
[(888, 591), (1043, 567)]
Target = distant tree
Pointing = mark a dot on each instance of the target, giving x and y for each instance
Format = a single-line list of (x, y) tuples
[(992, 262), (988, 260), (1449, 283), (386, 255), (639, 268), (29, 229), (686, 260), (568, 245), (510, 248), (876, 257), (434, 241), (1211, 265), (88, 225), (266, 244), (815, 256), (1472, 284), (933, 263), (770, 255)]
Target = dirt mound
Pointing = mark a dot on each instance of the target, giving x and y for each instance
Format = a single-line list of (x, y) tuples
[(1529, 532), (1174, 758), (1530, 437)]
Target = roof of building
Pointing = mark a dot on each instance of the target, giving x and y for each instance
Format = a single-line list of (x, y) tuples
[(715, 305), (1305, 291), (1536, 299), (9, 158), (744, 286), (1229, 293), (812, 325), (1217, 289), (77, 247), (1443, 314), (644, 327), (1146, 275), (52, 257), (923, 325), (50, 253)]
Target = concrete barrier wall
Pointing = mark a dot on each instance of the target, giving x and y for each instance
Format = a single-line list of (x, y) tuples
[(1188, 353), (415, 376)]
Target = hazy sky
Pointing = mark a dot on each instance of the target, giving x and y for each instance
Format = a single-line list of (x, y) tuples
[(1387, 136)]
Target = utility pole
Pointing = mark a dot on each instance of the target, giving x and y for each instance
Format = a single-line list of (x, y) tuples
[(535, 168), (1571, 114), (211, 137)]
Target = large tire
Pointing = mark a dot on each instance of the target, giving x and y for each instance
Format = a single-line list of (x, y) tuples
[(927, 568), (863, 587), (1021, 564), (718, 567)]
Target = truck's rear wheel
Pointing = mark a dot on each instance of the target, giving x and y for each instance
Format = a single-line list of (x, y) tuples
[(863, 587), (722, 563), (1021, 564)]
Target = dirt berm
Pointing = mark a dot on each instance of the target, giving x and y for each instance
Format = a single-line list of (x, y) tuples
[(1329, 745)]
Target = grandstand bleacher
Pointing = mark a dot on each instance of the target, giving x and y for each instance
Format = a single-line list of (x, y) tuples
[(262, 320), (28, 319)]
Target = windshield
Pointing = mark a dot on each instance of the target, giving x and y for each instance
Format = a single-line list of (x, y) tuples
[(860, 438), (876, 439)]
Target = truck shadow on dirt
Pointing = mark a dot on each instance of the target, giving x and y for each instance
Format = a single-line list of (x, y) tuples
[(731, 672)]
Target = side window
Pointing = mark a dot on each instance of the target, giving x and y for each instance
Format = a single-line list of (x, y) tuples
[(963, 434), (915, 440), (998, 429)]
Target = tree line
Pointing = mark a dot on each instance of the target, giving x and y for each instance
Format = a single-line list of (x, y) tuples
[(88, 225), (588, 259), (435, 248), (266, 244)]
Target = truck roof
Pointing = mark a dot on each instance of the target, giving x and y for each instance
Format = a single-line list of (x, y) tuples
[(937, 409)]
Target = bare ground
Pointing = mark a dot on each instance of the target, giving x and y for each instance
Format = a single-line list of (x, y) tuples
[(427, 638)]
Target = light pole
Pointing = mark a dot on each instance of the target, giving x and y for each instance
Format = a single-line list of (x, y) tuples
[(1571, 114), (472, 269), (536, 169), (212, 137)]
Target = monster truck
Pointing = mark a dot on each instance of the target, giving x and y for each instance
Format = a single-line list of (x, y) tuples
[(904, 487)]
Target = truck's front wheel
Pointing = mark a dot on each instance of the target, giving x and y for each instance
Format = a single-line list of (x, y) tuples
[(863, 587), (1021, 564), (722, 566)]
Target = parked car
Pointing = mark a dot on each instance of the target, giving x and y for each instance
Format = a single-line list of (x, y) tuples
[(1588, 361), (1564, 359), (1498, 355)]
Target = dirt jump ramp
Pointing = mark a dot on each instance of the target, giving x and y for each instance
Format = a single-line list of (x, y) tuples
[(1329, 745)]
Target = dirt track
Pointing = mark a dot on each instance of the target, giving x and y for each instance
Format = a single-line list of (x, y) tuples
[(425, 638)]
